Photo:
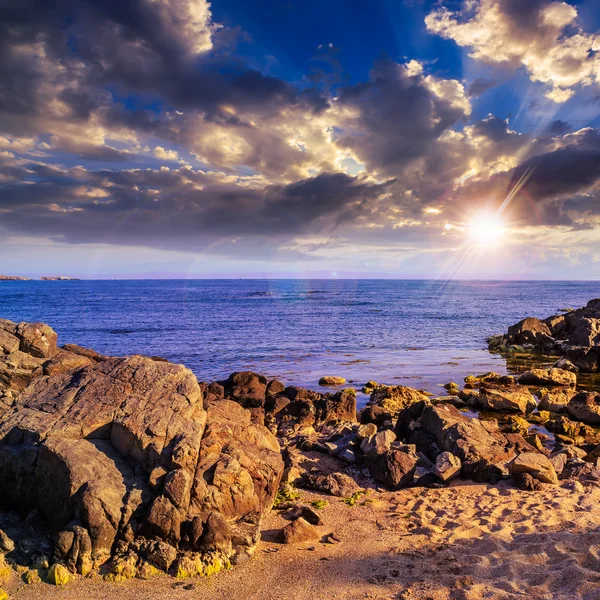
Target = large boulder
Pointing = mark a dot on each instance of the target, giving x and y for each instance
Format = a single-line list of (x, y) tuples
[(125, 450), (585, 407), (386, 402), (506, 398), (443, 428), (394, 468)]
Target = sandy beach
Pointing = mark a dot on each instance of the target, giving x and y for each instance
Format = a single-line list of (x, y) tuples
[(465, 542)]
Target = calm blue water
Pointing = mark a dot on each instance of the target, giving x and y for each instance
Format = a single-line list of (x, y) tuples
[(420, 333)]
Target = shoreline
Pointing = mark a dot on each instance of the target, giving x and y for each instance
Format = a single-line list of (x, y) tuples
[(404, 471)]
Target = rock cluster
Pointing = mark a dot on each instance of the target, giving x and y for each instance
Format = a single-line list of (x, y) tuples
[(126, 460), (574, 335)]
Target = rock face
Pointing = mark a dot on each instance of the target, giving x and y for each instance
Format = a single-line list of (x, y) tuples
[(386, 402), (555, 399), (127, 453), (442, 428), (506, 398), (575, 336)]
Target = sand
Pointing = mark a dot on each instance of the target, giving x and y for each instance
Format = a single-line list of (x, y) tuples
[(465, 542)]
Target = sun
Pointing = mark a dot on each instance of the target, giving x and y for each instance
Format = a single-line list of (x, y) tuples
[(486, 229)]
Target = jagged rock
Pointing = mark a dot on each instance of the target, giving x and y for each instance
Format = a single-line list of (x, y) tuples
[(548, 377), (525, 331), (555, 399), (516, 424), (366, 431), (380, 443), (506, 398), (565, 365), (9, 343), (110, 449), (394, 468), (528, 482), (442, 427), (331, 380), (37, 339), (537, 465), (585, 407), (447, 466), (386, 402), (299, 531)]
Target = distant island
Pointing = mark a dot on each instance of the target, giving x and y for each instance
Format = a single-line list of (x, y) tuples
[(17, 278), (59, 278)]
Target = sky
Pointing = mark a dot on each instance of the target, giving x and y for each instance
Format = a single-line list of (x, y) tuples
[(320, 139)]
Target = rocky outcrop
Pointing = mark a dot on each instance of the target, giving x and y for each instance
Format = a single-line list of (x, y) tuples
[(548, 378), (386, 403), (574, 335), (124, 458), (442, 428)]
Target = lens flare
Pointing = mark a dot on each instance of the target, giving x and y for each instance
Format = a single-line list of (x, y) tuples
[(486, 230)]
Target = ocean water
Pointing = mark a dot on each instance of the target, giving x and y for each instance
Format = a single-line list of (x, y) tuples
[(418, 333)]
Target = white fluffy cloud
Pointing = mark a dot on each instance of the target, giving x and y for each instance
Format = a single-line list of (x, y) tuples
[(540, 35)]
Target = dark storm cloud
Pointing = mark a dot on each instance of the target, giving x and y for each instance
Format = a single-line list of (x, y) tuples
[(399, 115), (180, 209)]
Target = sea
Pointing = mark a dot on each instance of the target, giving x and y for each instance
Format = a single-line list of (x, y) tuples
[(418, 333)]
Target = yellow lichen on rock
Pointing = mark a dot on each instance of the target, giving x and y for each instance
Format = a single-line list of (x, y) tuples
[(58, 574), (3, 595), (5, 570)]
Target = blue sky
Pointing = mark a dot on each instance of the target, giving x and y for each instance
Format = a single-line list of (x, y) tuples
[(329, 139)]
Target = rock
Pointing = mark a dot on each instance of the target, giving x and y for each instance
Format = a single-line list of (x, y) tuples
[(528, 483), (335, 484), (6, 572), (308, 514), (516, 424), (585, 407), (118, 448), (348, 456), (394, 469), (58, 574), (290, 475), (447, 466), (9, 343), (386, 402), (525, 331), (30, 577), (367, 430), (331, 380), (491, 377), (3, 595), (6, 544), (559, 462), (555, 399), (247, 388), (299, 531), (507, 398), (565, 365), (439, 428), (64, 361), (548, 377), (537, 465), (37, 339), (380, 443)]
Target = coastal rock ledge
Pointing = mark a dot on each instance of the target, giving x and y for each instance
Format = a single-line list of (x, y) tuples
[(126, 461)]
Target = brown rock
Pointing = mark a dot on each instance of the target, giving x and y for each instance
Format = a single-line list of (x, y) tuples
[(394, 469), (548, 377), (506, 398), (386, 402), (8, 342), (37, 339), (556, 399), (537, 465), (585, 407), (299, 531)]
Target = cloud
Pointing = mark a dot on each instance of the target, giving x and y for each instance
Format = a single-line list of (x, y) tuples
[(537, 34)]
